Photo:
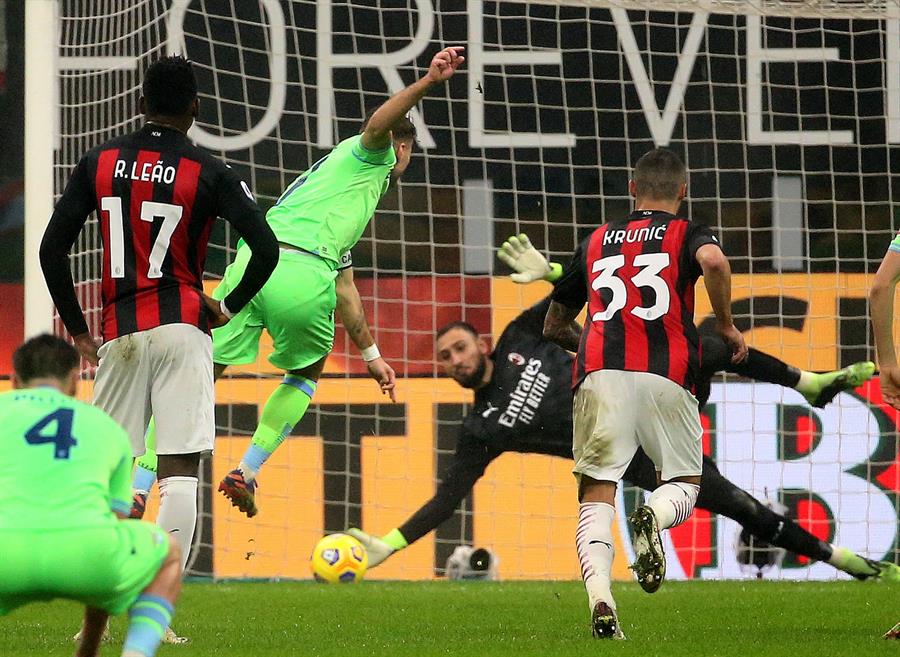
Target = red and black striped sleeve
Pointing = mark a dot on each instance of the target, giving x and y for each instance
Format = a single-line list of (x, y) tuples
[(70, 214)]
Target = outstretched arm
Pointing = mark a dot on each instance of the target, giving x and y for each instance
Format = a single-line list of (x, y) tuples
[(353, 317), (471, 458), (377, 133), (529, 265), (467, 468), (881, 307)]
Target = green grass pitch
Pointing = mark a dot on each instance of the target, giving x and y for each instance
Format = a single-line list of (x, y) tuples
[(702, 619)]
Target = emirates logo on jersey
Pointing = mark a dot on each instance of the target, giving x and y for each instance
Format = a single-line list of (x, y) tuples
[(526, 398), (516, 359)]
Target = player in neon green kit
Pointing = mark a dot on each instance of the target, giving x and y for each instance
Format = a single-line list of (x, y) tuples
[(59, 545), (317, 220), (881, 308)]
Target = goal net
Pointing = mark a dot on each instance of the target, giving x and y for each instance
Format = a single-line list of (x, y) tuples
[(787, 115)]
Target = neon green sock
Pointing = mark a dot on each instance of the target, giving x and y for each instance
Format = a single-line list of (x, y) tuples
[(284, 408)]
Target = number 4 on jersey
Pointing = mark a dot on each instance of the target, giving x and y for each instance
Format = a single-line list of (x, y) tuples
[(62, 437)]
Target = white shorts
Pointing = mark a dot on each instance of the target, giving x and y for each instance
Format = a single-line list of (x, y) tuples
[(615, 412), (166, 372)]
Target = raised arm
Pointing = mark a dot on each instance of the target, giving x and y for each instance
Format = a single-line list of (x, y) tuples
[(717, 276), (881, 307), (528, 264), (377, 134), (353, 317)]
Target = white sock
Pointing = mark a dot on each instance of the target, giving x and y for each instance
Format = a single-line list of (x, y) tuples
[(673, 502), (594, 542), (248, 471), (178, 511)]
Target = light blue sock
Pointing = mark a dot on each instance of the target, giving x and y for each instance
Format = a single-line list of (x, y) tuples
[(283, 409), (149, 617), (143, 478)]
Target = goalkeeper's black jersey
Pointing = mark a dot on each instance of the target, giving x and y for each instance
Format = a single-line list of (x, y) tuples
[(527, 406)]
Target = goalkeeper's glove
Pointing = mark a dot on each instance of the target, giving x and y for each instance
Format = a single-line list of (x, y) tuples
[(518, 253), (379, 549)]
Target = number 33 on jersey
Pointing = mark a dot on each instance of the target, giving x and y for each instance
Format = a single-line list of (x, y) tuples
[(637, 276)]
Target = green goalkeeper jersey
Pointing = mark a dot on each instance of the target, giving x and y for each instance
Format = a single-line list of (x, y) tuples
[(895, 244), (327, 207), (65, 463)]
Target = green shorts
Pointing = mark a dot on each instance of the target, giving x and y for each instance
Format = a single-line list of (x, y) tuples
[(103, 567), (295, 306)]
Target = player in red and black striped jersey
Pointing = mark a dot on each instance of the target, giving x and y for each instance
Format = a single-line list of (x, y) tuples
[(641, 312), (637, 365), (157, 197)]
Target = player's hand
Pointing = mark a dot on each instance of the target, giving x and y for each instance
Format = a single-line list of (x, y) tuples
[(377, 549), (87, 346), (735, 341), (520, 255), (445, 63), (214, 313), (890, 385), (384, 374)]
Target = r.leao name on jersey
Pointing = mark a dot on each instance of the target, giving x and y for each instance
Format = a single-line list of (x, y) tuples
[(149, 172)]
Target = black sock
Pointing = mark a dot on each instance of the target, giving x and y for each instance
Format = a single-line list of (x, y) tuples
[(760, 366), (716, 357), (793, 538), (720, 496)]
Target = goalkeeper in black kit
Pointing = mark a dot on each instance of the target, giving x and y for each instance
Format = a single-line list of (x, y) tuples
[(539, 421)]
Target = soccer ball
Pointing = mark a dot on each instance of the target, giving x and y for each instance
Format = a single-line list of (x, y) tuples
[(339, 559)]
